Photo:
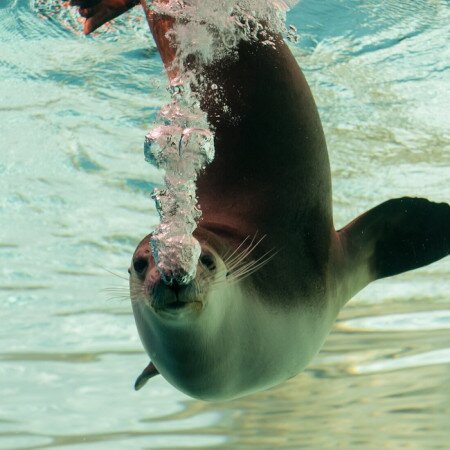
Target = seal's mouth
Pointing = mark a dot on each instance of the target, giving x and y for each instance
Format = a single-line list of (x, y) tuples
[(179, 310), (173, 300), (176, 305), (173, 306)]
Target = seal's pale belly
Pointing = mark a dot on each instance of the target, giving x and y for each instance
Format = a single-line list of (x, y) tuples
[(232, 350)]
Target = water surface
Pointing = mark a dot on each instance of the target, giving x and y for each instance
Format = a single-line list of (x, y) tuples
[(75, 199)]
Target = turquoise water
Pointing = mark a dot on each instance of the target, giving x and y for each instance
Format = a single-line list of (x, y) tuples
[(74, 201)]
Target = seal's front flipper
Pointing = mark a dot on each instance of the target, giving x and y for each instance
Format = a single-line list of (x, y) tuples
[(149, 372), (396, 236)]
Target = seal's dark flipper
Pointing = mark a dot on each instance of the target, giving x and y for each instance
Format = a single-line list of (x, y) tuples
[(398, 235), (149, 372)]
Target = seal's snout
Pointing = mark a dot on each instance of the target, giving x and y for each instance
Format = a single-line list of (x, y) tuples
[(175, 278), (170, 291), (172, 297), (172, 283)]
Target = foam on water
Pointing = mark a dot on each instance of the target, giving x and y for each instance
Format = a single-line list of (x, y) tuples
[(210, 29), (182, 142)]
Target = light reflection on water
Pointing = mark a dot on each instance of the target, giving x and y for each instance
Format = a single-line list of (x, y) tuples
[(75, 198)]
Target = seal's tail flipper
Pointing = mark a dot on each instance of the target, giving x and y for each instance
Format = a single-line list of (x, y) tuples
[(398, 235), (149, 372)]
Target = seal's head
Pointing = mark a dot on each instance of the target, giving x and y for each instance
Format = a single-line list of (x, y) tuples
[(182, 326), (201, 335), (163, 295)]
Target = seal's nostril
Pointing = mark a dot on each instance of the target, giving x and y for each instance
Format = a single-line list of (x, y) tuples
[(140, 265)]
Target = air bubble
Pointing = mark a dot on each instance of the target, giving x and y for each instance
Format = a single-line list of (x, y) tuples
[(182, 141)]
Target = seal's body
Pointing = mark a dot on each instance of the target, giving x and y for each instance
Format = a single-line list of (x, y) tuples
[(226, 335), (274, 272)]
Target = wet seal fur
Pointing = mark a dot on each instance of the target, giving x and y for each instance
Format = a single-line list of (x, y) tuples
[(273, 273), (227, 335)]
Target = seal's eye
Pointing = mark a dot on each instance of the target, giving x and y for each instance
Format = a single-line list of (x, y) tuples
[(140, 265), (208, 261)]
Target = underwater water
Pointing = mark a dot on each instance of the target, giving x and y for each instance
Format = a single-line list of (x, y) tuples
[(75, 200)]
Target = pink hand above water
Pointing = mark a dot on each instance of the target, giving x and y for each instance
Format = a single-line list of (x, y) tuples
[(98, 12)]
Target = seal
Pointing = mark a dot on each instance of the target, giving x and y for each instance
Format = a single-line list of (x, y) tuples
[(273, 273)]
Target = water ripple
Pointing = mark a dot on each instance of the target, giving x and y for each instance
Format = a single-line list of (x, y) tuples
[(74, 194), (418, 321), (408, 362)]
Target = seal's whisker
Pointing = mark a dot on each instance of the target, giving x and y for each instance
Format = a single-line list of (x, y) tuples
[(253, 266), (121, 292), (111, 272), (119, 295), (246, 270), (245, 252), (236, 254), (127, 297), (137, 290), (122, 299), (115, 291), (237, 265), (228, 259), (245, 267), (233, 262), (115, 288), (222, 275), (203, 275), (233, 266)]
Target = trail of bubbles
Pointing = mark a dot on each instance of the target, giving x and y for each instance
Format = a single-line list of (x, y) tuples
[(211, 29), (182, 142), (181, 145)]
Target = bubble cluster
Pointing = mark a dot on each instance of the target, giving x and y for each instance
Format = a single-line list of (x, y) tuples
[(211, 29), (182, 142)]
